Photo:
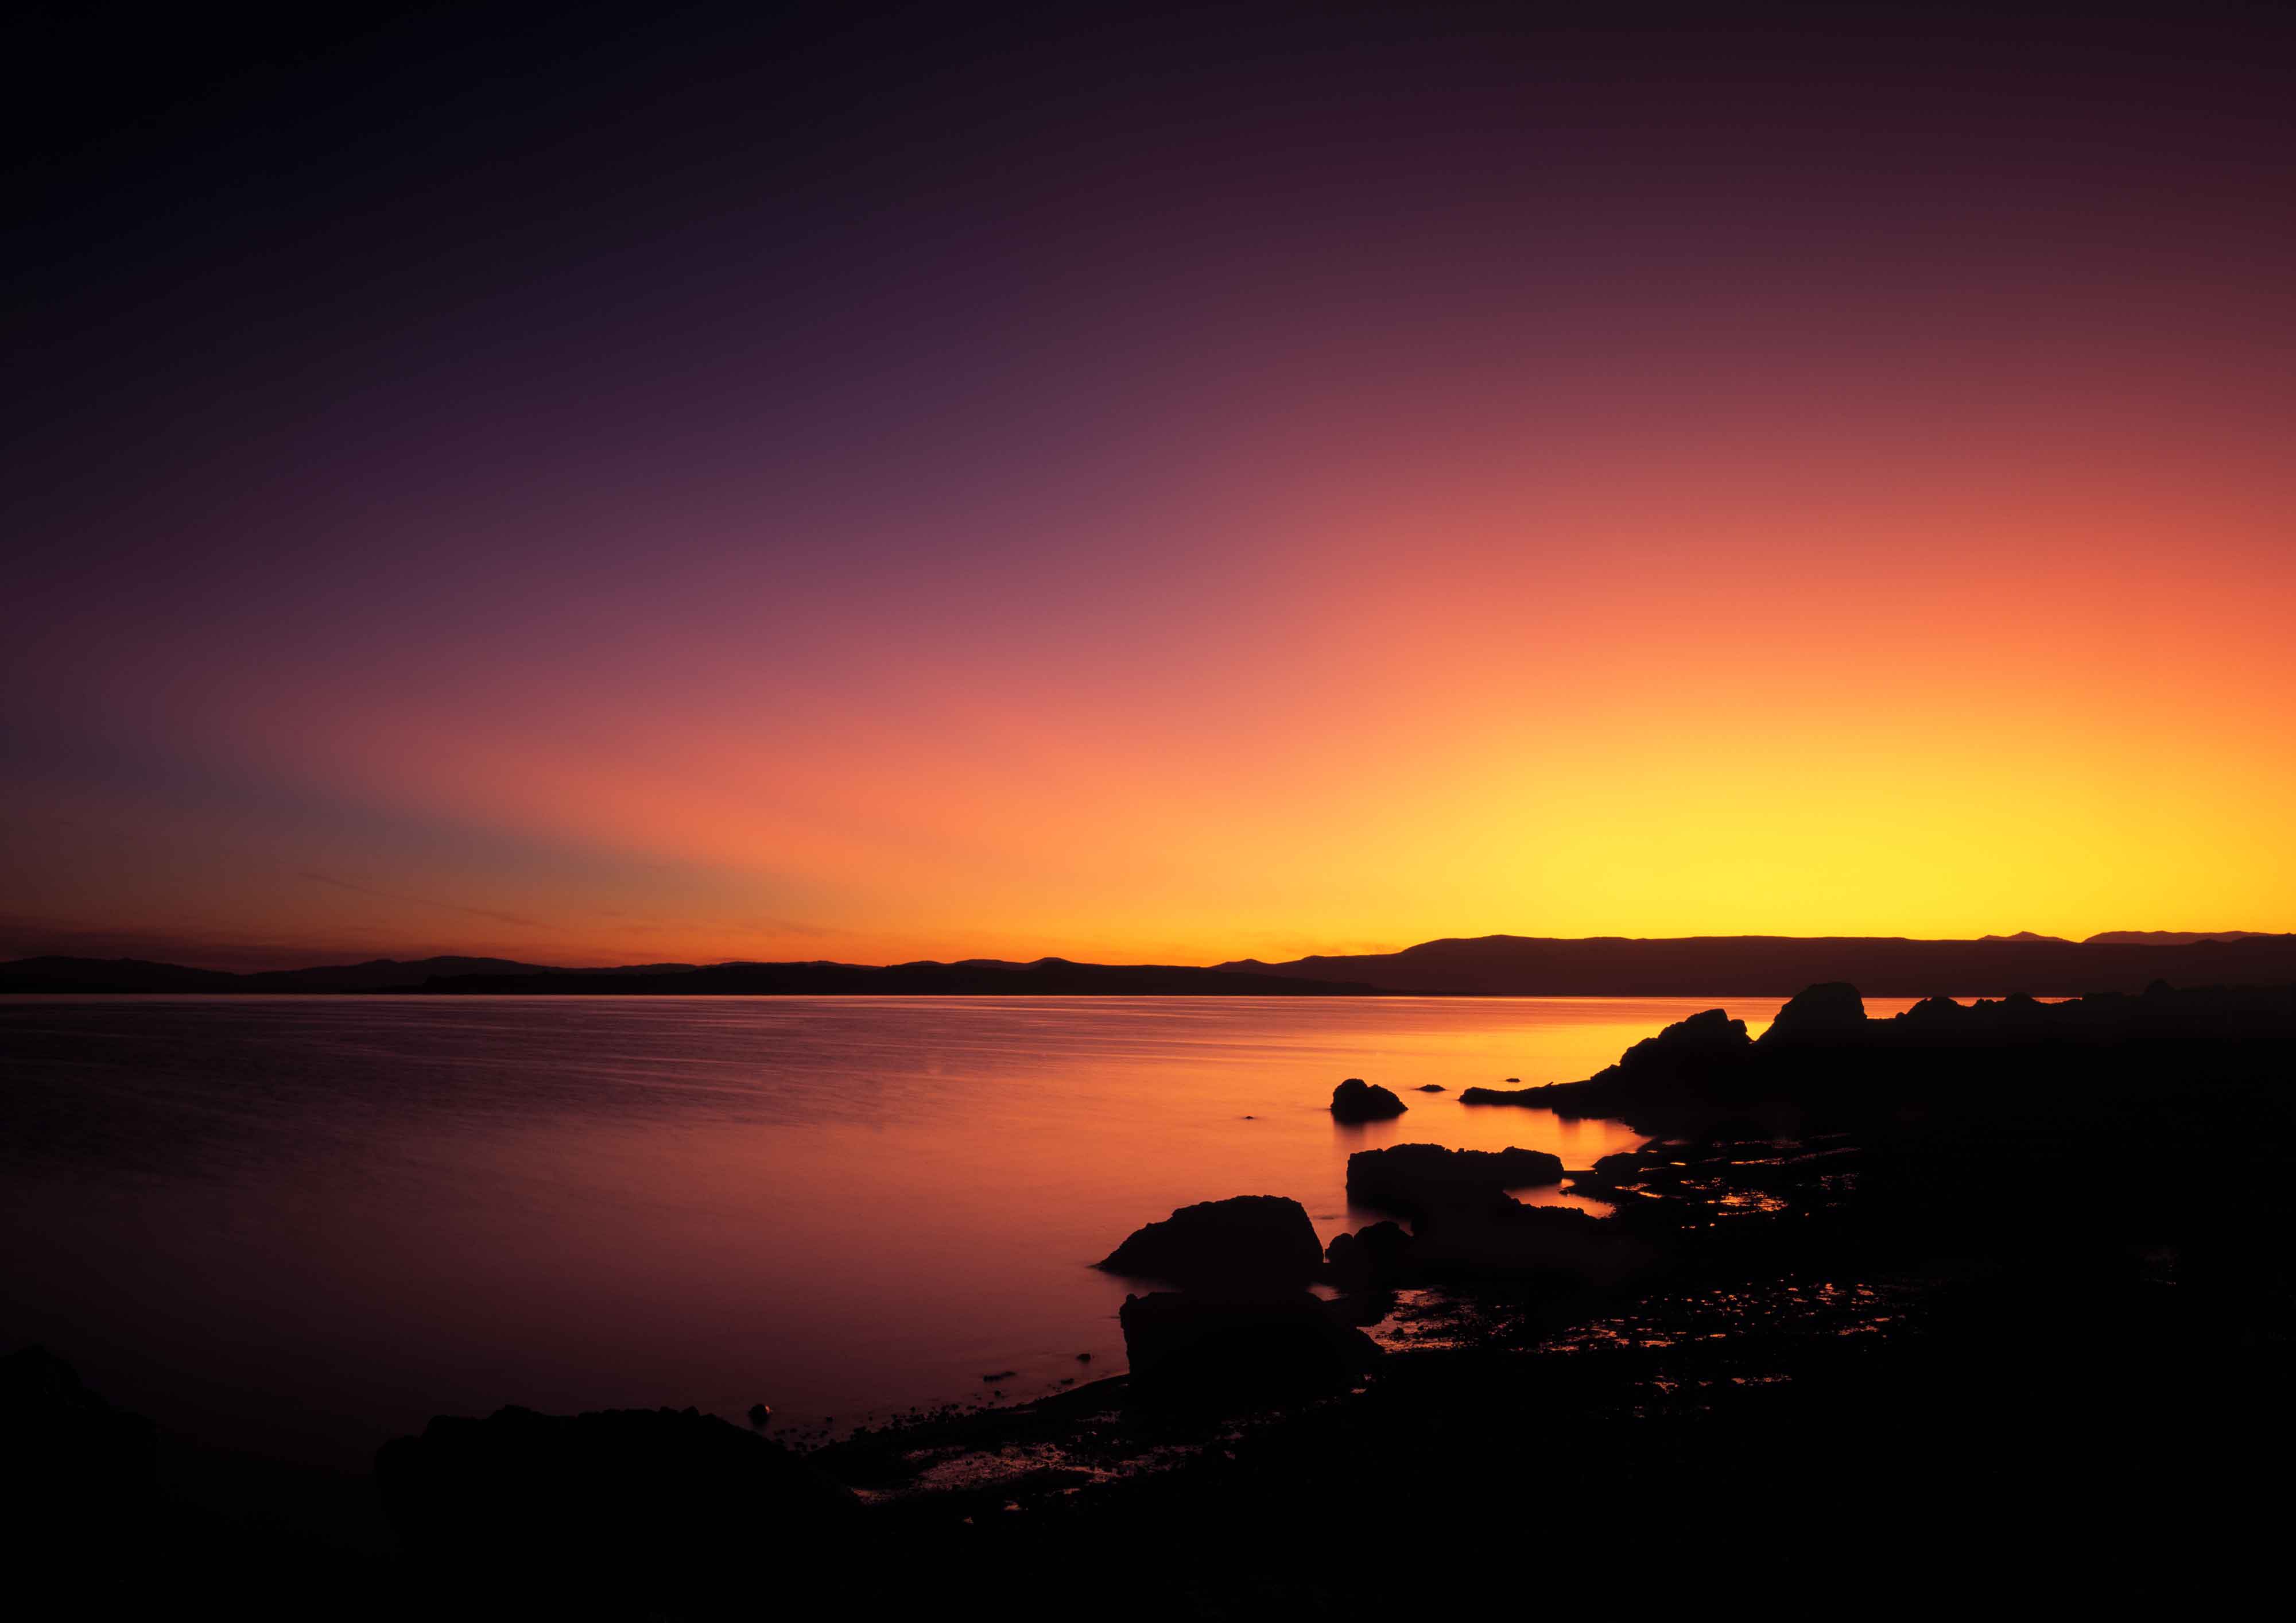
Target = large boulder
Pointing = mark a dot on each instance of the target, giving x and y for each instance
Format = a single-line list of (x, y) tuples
[(1211, 1348), (1500, 1238), (1708, 1036), (1414, 1178), (1355, 1100), (1261, 1240), (1829, 1011), (1373, 1257), (73, 1456), (524, 1490)]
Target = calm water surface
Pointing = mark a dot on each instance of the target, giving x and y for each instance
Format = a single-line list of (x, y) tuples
[(303, 1225)]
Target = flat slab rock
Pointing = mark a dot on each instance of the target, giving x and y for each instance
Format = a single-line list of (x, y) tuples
[(1410, 1177), (1247, 1239)]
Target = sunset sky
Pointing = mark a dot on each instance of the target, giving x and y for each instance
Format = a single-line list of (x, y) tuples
[(1250, 482)]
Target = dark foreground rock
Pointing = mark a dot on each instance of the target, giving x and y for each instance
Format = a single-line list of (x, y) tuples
[(68, 1451), (1186, 1347), (1374, 1257), (1504, 1239), (1827, 1011), (1355, 1100), (547, 1490), (1248, 1239), (1413, 1179)]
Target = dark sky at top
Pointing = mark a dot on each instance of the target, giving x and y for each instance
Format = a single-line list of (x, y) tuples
[(628, 481)]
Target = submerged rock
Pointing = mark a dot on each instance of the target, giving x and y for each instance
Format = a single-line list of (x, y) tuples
[(1251, 1239), (1355, 1100), (1191, 1347), (1414, 1178)]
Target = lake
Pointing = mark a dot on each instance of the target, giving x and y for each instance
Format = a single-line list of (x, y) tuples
[(298, 1225)]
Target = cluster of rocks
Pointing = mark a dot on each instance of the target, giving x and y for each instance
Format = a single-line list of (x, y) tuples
[(1243, 1324), (1733, 1171)]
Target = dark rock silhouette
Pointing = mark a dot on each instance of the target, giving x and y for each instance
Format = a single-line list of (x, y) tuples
[(1432, 1087), (1526, 1096), (1501, 1238), (1355, 1100), (1824, 1012), (1414, 1178), (1372, 1257), (1708, 1034), (1709, 1045), (67, 1449), (1246, 1239), (599, 1489), (1197, 1348)]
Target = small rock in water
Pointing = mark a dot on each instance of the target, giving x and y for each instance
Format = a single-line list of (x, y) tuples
[(1432, 1087), (1084, 1357), (1354, 1100), (1002, 1375)]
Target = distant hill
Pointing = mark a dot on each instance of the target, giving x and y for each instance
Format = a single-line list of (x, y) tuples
[(1520, 966), (2172, 938), (378, 973), (1046, 977), (1879, 966), (54, 974)]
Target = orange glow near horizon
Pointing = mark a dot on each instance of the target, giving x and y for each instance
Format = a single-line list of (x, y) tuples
[(1690, 497), (1700, 714)]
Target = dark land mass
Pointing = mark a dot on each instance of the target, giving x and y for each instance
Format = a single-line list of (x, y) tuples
[(57, 974), (1979, 1298), (1046, 977), (1514, 966), (1777, 966)]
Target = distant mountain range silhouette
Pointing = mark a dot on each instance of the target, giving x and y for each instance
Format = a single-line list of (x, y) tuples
[(1881, 966), (1521, 966), (1045, 977)]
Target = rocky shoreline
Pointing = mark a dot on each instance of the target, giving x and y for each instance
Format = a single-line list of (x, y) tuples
[(1874, 1287)]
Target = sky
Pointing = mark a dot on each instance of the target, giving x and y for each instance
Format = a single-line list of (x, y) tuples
[(624, 484)]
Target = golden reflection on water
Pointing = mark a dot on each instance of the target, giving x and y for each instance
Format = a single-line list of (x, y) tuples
[(388, 1208)]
